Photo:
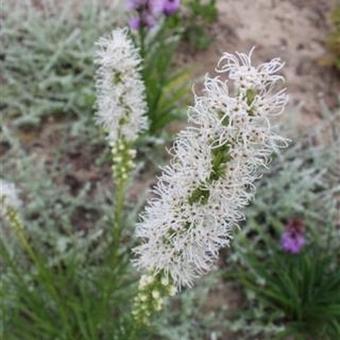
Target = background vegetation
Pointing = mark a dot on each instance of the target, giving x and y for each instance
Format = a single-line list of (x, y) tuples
[(73, 287)]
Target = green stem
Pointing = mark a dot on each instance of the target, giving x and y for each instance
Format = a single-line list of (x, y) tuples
[(220, 158), (142, 35), (118, 214), (43, 272), (122, 165), (18, 229)]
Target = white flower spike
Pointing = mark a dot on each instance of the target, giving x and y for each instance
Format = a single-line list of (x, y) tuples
[(120, 89), (200, 196), (9, 197)]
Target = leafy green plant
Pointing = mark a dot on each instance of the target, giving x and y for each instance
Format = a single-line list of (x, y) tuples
[(199, 15), (62, 301), (67, 283), (166, 87), (303, 287)]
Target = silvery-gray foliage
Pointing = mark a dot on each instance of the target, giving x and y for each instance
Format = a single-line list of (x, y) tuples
[(47, 56)]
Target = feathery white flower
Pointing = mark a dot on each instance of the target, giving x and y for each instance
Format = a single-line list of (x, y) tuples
[(200, 196), (120, 89), (9, 197)]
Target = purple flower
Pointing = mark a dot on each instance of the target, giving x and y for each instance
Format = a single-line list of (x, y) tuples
[(170, 7), (146, 13), (135, 23), (154, 7), (293, 239), (136, 4)]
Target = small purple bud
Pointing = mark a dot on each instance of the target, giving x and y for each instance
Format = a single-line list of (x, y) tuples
[(292, 243), (293, 239), (135, 23), (170, 7), (156, 7), (147, 12)]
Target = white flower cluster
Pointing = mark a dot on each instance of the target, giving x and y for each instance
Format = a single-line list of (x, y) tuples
[(120, 89), (200, 195), (9, 197), (122, 156), (152, 292)]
